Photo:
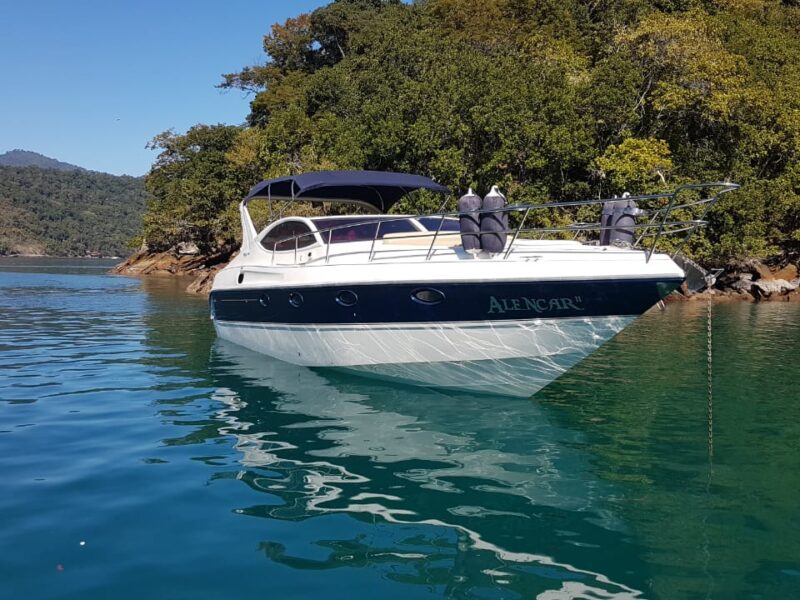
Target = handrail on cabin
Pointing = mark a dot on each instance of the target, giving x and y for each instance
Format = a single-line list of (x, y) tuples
[(662, 226)]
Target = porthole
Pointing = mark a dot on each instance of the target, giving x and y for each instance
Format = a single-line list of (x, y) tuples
[(296, 299), (240, 279), (263, 300), (346, 298), (427, 296)]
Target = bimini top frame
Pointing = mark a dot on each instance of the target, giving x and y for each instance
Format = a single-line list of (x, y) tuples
[(377, 190)]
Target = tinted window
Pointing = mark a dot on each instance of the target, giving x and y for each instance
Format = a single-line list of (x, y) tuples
[(363, 232), (432, 223), (287, 230)]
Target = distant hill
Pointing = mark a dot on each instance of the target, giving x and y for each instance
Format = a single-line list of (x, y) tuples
[(67, 212), (26, 158)]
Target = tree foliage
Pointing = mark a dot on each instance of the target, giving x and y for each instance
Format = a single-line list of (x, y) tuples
[(550, 99), (68, 212), (193, 187), (636, 164)]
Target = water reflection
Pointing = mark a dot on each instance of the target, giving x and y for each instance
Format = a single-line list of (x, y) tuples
[(469, 483), (603, 484), (123, 421), (709, 490)]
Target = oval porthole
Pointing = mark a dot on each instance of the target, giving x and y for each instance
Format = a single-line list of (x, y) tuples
[(263, 300), (240, 278), (296, 299), (428, 296), (346, 298)]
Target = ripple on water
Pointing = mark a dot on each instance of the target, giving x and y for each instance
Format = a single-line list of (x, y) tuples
[(220, 473)]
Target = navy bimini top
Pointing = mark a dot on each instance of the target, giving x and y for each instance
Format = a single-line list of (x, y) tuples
[(379, 189)]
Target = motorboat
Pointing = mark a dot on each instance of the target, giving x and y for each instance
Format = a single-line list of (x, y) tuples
[(491, 297)]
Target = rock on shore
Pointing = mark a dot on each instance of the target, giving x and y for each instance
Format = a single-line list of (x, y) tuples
[(183, 260), (751, 281)]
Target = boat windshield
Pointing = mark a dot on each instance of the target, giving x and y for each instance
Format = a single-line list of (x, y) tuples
[(347, 230), (432, 223)]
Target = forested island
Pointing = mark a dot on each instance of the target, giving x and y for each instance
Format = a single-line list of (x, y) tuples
[(27, 158), (551, 100), (48, 207)]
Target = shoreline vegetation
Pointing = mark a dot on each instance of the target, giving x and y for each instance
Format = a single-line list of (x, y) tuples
[(64, 210), (62, 256), (550, 101)]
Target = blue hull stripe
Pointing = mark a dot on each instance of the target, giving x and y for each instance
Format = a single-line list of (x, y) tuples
[(440, 302)]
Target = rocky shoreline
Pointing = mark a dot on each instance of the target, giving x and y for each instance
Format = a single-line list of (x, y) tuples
[(749, 281), (181, 261), (745, 281)]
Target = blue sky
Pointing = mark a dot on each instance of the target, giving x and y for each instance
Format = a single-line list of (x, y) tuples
[(90, 82)]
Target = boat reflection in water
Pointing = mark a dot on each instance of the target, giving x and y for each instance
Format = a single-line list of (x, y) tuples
[(437, 489)]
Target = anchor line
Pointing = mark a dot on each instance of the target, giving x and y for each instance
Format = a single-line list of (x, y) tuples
[(710, 382)]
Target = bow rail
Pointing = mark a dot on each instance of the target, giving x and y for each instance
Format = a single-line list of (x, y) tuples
[(668, 218)]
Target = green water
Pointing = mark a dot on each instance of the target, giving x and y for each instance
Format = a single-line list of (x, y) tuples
[(140, 458)]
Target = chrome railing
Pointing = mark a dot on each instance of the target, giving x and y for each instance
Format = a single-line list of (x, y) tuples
[(658, 221)]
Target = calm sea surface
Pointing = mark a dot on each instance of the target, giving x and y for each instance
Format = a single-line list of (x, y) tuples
[(141, 458)]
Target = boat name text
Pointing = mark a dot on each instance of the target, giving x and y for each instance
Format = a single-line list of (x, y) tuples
[(538, 305)]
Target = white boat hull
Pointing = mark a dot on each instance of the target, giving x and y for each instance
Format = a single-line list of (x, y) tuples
[(503, 357)]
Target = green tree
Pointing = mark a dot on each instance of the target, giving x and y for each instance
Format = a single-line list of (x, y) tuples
[(550, 99), (192, 185), (635, 164)]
